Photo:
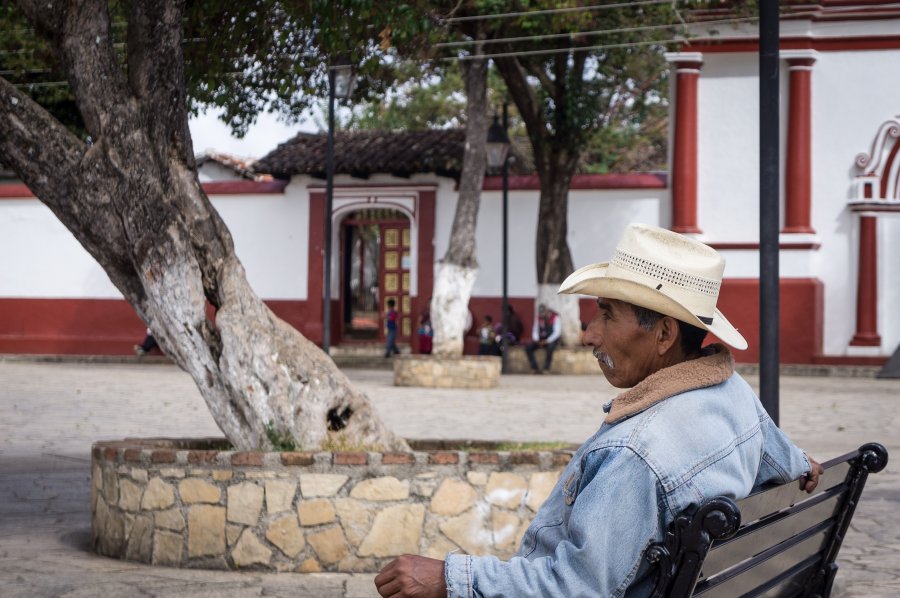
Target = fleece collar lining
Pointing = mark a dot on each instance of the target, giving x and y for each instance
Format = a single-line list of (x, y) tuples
[(715, 366)]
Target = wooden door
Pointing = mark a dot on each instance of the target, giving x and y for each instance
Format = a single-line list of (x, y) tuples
[(395, 275)]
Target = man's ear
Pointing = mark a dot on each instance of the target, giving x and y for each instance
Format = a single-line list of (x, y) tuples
[(667, 334)]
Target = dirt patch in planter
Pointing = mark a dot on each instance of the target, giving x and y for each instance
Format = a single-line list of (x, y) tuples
[(196, 503)]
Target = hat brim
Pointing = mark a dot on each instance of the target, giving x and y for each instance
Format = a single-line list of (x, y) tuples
[(592, 280)]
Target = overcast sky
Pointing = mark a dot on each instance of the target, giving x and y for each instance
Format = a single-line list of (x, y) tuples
[(209, 133)]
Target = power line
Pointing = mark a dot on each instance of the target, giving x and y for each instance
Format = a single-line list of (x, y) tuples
[(597, 33), (508, 15), (676, 40)]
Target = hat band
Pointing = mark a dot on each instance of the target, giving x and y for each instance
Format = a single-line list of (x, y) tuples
[(677, 278), (705, 320)]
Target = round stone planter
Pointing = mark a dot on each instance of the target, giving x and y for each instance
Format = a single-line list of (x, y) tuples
[(430, 371), (194, 503)]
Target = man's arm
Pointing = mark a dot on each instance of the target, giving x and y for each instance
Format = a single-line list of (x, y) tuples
[(615, 515), (782, 460)]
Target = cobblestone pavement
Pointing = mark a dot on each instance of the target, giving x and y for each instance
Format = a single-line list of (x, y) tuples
[(50, 413)]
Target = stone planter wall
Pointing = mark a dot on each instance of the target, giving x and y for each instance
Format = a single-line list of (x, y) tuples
[(566, 360), (469, 371), (194, 504)]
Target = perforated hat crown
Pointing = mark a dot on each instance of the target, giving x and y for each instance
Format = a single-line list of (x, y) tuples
[(661, 270)]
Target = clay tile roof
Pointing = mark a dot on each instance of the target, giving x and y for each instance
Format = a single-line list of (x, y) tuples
[(241, 166), (363, 153)]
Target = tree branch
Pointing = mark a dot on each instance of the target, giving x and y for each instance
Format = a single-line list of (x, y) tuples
[(527, 104), (56, 166), (156, 70), (79, 32)]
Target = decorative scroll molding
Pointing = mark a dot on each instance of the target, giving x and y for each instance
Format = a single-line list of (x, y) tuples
[(877, 186)]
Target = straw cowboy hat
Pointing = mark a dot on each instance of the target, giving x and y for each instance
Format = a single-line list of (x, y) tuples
[(663, 271)]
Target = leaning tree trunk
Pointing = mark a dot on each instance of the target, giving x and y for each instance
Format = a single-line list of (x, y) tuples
[(455, 274), (133, 200)]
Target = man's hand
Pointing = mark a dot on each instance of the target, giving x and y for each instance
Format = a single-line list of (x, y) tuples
[(411, 576), (810, 480)]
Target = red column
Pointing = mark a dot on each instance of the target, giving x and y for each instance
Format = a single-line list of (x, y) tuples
[(798, 170), (867, 285), (315, 269), (684, 158)]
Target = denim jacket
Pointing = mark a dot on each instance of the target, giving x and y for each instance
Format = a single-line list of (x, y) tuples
[(626, 484)]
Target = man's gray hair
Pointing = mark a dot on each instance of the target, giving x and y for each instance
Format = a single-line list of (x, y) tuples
[(691, 336)]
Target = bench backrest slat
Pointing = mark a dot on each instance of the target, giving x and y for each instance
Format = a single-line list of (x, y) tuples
[(765, 533), (779, 542), (755, 572), (766, 502)]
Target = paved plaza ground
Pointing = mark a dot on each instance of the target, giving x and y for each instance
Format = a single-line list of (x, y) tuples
[(51, 412)]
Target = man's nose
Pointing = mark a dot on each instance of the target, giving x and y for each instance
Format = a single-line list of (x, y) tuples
[(588, 337)]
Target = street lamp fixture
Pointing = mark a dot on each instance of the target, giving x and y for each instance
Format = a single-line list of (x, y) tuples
[(498, 156), (341, 79)]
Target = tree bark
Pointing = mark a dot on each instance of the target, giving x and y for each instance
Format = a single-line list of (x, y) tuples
[(133, 200), (555, 160), (455, 274)]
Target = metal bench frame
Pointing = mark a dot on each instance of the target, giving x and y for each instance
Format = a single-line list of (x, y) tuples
[(786, 545)]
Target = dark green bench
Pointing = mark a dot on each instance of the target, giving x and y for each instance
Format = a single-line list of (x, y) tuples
[(779, 541)]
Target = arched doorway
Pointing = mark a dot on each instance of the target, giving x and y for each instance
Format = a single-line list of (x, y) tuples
[(375, 267)]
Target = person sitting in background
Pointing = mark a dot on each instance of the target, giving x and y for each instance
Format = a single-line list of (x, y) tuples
[(487, 345), (149, 343), (545, 334), (426, 334)]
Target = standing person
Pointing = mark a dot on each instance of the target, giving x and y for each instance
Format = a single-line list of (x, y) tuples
[(688, 429), (148, 344), (390, 325), (545, 334), (426, 334)]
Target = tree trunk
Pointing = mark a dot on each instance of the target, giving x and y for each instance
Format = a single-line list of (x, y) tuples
[(133, 200), (553, 258), (555, 160), (455, 274)]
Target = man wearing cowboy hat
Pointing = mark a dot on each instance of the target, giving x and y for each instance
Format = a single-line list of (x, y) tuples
[(687, 429)]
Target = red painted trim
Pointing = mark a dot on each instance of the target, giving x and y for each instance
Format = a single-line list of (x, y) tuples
[(425, 223), (800, 322), (755, 246), (798, 171), (867, 286), (15, 191), (876, 206), (841, 44), (684, 156), (238, 187), (888, 169), (34, 326), (312, 327), (641, 180), (244, 187)]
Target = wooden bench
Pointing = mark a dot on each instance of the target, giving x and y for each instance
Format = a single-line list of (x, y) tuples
[(779, 541)]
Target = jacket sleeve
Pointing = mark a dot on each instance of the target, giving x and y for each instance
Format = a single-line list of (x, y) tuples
[(782, 461), (614, 517)]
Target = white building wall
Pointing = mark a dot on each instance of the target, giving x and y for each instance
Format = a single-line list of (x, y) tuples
[(44, 260), (851, 98)]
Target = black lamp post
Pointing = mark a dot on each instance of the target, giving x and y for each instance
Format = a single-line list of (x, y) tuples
[(497, 155), (341, 79)]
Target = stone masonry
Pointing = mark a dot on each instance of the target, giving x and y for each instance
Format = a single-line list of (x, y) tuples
[(429, 371), (192, 504)]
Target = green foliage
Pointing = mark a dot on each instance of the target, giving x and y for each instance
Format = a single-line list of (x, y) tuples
[(281, 441)]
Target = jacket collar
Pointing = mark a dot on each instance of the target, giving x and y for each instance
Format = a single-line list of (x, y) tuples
[(714, 366)]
